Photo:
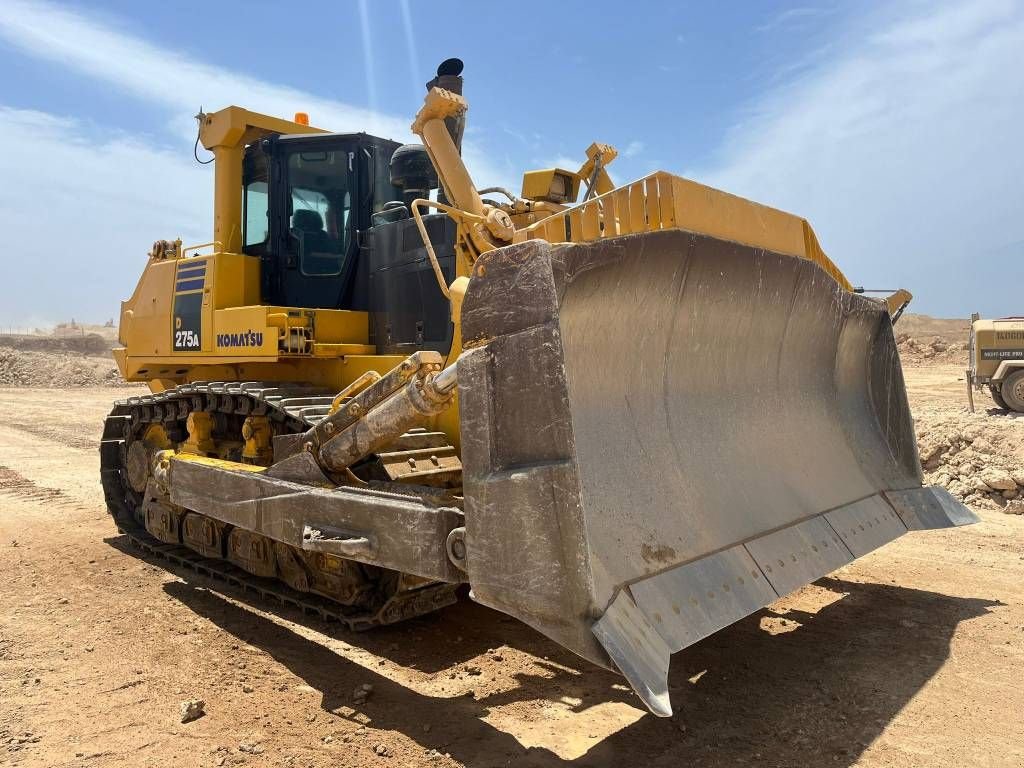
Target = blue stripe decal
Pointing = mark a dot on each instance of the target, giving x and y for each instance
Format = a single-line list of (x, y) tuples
[(190, 285)]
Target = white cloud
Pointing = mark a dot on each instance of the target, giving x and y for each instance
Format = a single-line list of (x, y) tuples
[(903, 150), (161, 76), (79, 214), (80, 210), (564, 162), (795, 16), (633, 149)]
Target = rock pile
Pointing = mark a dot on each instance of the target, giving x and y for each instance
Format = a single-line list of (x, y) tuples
[(22, 368), (977, 458), (917, 350)]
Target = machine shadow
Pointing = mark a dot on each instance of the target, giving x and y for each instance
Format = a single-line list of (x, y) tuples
[(817, 693), (455, 634), (1003, 413)]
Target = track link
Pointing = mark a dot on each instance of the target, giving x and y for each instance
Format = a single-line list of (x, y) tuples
[(291, 408)]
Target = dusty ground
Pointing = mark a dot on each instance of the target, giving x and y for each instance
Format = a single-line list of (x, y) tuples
[(911, 656)]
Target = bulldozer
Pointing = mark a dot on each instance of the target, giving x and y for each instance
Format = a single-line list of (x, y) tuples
[(995, 352), (627, 416)]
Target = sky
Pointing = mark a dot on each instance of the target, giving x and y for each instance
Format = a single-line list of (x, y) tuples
[(893, 127)]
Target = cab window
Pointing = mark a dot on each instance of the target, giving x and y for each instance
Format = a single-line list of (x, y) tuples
[(320, 206), (256, 202)]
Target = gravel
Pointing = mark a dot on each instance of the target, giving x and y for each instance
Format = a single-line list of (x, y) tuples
[(978, 458), (25, 368)]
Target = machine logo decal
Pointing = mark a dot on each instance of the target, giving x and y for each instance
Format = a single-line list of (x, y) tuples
[(188, 322), (249, 338), (1002, 354)]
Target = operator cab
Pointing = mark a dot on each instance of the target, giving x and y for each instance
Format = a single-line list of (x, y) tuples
[(327, 215), (305, 200)]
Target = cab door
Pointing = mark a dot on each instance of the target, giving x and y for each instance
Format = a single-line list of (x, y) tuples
[(314, 231)]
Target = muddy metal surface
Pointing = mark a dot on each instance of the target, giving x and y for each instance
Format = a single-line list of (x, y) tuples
[(908, 657)]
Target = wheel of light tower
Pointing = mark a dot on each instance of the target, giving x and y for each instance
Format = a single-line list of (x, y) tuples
[(997, 398), (1013, 391)]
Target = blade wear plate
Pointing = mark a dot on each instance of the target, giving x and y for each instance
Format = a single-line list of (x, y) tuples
[(643, 406), (692, 601), (866, 525), (799, 554)]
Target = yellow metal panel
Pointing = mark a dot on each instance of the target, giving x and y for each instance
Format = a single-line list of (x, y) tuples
[(227, 198), (621, 197), (537, 185), (236, 280), (591, 221), (636, 208), (609, 217), (575, 224), (703, 209), (338, 350), (236, 126), (652, 203), (146, 316), (813, 251), (120, 358), (719, 214), (195, 458), (339, 326), (663, 201), (666, 191), (554, 231)]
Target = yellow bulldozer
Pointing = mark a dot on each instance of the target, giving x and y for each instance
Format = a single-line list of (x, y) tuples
[(627, 416)]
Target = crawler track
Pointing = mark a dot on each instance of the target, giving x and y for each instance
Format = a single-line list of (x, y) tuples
[(290, 409)]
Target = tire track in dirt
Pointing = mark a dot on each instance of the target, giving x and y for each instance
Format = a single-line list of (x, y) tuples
[(13, 483), (58, 435)]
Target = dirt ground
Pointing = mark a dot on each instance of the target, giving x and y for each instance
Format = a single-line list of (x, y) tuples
[(911, 656)]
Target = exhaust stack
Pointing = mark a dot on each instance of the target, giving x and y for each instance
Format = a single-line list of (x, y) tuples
[(449, 77)]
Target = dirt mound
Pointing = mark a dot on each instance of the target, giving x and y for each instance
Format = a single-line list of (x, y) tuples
[(107, 331), (977, 457), (920, 326), (88, 344), (26, 368), (918, 350), (924, 340)]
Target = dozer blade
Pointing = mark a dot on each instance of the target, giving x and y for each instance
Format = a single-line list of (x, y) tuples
[(663, 433)]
